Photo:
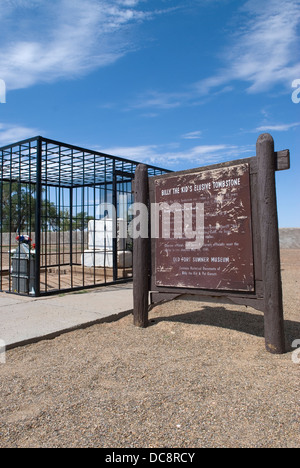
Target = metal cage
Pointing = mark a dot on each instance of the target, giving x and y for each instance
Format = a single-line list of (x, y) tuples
[(55, 231)]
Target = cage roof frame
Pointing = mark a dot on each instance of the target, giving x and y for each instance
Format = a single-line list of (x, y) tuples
[(65, 165)]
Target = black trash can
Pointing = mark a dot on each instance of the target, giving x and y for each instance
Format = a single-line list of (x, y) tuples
[(23, 270)]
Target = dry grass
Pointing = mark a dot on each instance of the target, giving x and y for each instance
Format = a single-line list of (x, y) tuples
[(199, 376)]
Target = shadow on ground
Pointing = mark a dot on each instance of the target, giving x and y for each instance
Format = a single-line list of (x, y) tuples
[(252, 324)]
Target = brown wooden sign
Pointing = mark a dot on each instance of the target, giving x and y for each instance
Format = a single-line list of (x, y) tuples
[(214, 234), (225, 260)]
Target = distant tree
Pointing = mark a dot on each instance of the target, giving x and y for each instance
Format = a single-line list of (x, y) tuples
[(17, 206), (17, 210), (79, 222)]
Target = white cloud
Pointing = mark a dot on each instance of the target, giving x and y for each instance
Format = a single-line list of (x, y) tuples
[(10, 133), (142, 153), (278, 127), (63, 38), (170, 155), (265, 50), (192, 135), (160, 100)]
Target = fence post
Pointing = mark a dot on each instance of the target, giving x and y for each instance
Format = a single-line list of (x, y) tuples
[(273, 317), (141, 254), (115, 224), (38, 214)]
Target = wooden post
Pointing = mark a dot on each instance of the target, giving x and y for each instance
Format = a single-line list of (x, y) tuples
[(270, 253), (141, 255)]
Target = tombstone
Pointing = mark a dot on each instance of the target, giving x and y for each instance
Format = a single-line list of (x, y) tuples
[(101, 244)]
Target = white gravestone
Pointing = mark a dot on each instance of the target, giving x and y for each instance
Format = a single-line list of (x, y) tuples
[(100, 242)]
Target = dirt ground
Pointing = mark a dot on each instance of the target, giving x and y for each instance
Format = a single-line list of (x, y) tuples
[(199, 376)]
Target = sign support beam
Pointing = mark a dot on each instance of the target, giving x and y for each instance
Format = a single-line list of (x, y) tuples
[(265, 291), (141, 255), (270, 253)]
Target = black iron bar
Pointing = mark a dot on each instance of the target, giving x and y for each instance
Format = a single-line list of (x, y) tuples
[(53, 177), (38, 218), (115, 225)]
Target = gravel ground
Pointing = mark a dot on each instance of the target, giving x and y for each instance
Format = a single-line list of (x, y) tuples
[(199, 376)]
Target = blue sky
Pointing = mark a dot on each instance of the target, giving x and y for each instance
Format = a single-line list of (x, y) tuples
[(175, 83)]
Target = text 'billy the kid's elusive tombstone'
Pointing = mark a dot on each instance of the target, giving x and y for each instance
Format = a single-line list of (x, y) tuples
[(214, 206), (214, 234)]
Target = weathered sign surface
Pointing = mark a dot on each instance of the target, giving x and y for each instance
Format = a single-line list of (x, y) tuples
[(225, 260), (214, 234)]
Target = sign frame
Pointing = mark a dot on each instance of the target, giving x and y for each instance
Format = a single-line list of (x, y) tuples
[(226, 203), (267, 294)]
